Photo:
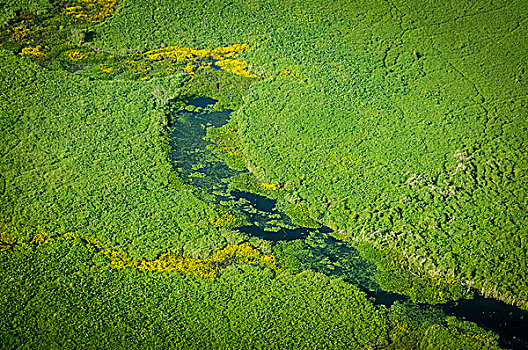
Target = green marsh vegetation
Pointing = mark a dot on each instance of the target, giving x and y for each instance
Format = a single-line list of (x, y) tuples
[(400, 126), (419, 113)]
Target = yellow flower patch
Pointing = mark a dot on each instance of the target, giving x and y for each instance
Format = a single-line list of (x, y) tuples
[(71, 235), (105, 69), (189, 69), (32, 51), (41, 238), (6, 242), (271, 187), (222, 56), (174, 52), (238, 67), (74, 55), (94, 11), (204, 268), (228, 51)]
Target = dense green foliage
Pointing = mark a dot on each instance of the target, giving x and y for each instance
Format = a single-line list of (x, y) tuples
[(88, 156), (402, 130), (9, 9), (61, 295), (418, 109)]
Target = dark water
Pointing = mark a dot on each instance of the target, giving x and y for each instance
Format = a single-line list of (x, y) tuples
[(260, 202), (199, 167), (311, 248), (282, 235), (327, 255), (381, 297), (509, 322), (202, 102), (262, 215)]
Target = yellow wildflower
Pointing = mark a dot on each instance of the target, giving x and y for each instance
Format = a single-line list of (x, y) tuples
[(6, 242), (75, 55), (105, 69), (272, 187), (235, 66), (32, 51)]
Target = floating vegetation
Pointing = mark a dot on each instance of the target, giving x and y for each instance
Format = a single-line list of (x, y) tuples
[(227, 218), (227, 145)]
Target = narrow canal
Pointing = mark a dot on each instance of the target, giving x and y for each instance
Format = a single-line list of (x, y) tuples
[(318, 250)]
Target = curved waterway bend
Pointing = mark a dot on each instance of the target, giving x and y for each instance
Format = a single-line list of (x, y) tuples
[(319, 251)]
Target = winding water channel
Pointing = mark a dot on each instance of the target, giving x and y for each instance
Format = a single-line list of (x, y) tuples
[(321, 252)]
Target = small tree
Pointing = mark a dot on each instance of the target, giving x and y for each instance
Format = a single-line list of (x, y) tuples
[(162, 95)]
